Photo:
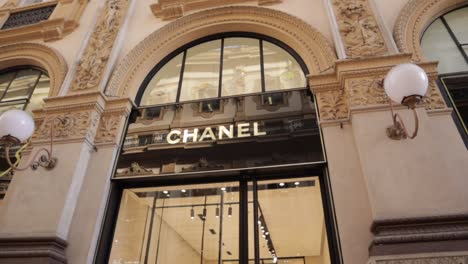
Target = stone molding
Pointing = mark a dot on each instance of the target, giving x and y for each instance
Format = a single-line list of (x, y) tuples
[(28, 250), (64, 20), (454, 259), (359, 29), (357, 85), (424, 229), (37, 55), (92, 63), (413, 20), (172, 9), (310, 44), (89, 117)]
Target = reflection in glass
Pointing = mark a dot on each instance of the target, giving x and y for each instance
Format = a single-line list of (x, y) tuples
[(162, 89), (291, 222), (22, 85), (183, 224), (5, 80), (40, 92), (281, 70), (201, 73), (457, 20), (241, 66)]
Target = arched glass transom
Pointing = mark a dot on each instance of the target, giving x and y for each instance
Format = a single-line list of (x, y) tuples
[(23, 88), (224, 67)]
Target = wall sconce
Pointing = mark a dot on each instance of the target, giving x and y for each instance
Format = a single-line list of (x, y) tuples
[(17, 126), (406, 84)]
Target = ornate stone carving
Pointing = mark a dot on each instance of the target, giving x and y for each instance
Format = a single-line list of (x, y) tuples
[(310, 44), (359, 29), (69, 126), (332, 105), (433, 99), (38, 55), (366, 91), (92, 63), (171, 9), (134, 170), (108, 128), (414, 18), (428, 260)]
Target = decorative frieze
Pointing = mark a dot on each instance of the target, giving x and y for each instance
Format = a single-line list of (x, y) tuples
[(433, 99), (94, 59), (359, 29), (366, 91), (172, 9)]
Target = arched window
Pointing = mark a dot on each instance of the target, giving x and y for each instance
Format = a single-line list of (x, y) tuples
[(446, 40), (222, 67), (23, 88)]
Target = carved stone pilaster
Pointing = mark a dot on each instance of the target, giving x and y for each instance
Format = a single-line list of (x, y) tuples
[(433, 99), (359, 29), (112, 122), (94, 59)]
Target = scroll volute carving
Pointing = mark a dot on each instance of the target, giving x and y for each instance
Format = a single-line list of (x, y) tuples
[(359, 29)]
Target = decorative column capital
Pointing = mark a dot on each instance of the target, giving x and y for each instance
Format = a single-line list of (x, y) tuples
[(357, 85)]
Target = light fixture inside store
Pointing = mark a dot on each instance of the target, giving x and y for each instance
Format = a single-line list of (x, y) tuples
[(192, 213), (204, 213), (230, 211), (165, 192), (217, 211), (16, 127), (281, 184), (183, 191), (297, 183), (405, 84)]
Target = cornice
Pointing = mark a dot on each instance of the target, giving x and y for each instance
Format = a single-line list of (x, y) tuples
[(63, 20), (172, 9)]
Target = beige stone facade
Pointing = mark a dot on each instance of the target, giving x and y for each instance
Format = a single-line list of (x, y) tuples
[(395, 201)]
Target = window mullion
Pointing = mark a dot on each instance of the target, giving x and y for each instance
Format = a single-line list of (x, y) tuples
[(8, 86), (255, 224), (221, 69), (262, 66), (182, 69), (243, 222), (454, 38)]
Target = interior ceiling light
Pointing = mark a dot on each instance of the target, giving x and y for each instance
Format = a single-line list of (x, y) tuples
[(183, 190), (217, 211), (165, 192), (230, 211), (281, 184), (297, 183), (192, 213)]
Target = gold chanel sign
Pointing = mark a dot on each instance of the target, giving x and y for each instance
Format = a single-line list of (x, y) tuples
[(223, 132)]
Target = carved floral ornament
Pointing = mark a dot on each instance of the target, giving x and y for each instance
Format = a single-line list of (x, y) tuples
[(414, 18), (359, 29), (310, 44)]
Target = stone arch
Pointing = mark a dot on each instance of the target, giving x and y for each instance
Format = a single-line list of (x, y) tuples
[(413, 20), (310, 44), (37, 55)]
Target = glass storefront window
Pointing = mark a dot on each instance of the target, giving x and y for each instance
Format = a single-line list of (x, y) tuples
[(162, 89), (201, 72), (241, 66), (183, 224), (281, 70), (202, 223), (224, 67)]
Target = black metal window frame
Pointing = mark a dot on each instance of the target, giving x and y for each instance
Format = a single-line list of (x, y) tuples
[(247, 180), (222, 36), (15, 70)]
